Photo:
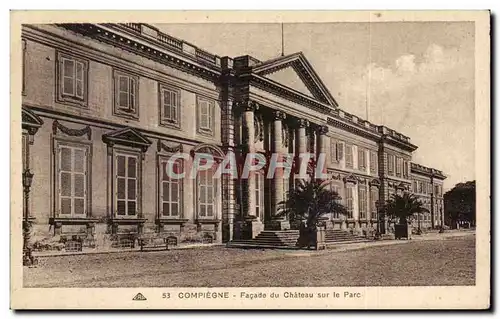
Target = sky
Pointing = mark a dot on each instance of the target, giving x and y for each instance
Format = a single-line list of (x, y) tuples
[(414, 77)]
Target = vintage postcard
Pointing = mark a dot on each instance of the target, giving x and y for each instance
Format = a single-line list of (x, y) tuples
[(250, 160)]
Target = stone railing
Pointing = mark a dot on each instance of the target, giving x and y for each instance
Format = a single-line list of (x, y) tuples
[(133, 26), (172, 42), (205, 56)]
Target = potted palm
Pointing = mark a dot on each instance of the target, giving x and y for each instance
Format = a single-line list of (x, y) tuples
[(400, 208), (309, 202)]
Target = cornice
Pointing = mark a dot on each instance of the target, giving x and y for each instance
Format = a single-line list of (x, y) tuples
[(400, 144), (179, 60), (426, 171), (58, 42), (284, 92), (353, 129)]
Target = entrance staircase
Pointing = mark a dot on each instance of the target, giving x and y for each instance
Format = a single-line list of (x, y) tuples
[(339, 236), (288, 239), (282, 239)]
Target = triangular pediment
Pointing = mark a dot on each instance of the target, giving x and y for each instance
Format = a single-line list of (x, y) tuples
[(127, 136), (30, 120), (289, 77), (295, 72), (351, 178)]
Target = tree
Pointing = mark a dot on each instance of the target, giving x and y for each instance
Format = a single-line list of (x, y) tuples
[(403, 207), (460, 203), (310, 200)]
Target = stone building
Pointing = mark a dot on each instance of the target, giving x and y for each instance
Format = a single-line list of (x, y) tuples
[(428, 186), (106, 105)]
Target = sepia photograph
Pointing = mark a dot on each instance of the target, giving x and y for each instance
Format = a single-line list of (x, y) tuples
[(315, 159)]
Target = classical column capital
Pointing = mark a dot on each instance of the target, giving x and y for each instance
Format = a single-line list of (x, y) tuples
[(322, 129), (303, 123), (247, 105), (279, 115)]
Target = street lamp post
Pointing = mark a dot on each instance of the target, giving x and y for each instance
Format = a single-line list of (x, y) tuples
[(379, 226), (28, 258)]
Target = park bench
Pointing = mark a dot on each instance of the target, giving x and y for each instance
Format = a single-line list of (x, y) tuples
[(153, 242)]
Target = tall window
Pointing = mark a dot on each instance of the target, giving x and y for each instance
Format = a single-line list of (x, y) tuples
[(126, 92), (72, 86), (336, 189), (361, 158), (339, 151), (415, 187), (362, 201), (399, 164), (170, 189), (333, 151), (348, 156), (373, 202), (206, 109), (349, 201), (206, 193), (373, 163), (170, 104), (405, 169), (420, 187), (72, 184), (127, 184), (259, 194), (391, 164)]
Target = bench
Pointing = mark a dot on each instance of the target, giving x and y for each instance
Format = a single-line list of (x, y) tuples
[(156, 243)]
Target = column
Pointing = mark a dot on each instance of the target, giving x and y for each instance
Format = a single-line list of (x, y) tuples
[(301, 135), (278, 222), (302, 139), (249, 128), (277, 142), (252, 224), (322, 144)]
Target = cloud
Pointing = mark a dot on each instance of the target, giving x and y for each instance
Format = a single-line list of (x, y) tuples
[(429, 97)]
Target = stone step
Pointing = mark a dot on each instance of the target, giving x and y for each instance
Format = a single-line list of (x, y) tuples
[(261, 243), (259, 246)]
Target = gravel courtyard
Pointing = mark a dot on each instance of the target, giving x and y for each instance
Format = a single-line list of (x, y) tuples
[(446, 261)]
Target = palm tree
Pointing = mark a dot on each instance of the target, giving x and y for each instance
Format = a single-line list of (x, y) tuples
[(310, 200), (403, 207)]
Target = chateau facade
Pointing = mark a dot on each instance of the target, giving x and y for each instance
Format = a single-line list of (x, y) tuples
[(106, 105), (428, 186)]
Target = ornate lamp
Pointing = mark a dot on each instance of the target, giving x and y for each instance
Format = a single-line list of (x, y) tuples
[(27, 179), (28, 258)]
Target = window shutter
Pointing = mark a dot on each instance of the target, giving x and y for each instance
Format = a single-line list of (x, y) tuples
[(68, 76), (173, 106), (202, 115), (132, 95), (340, 151), (122, 92), (348, 156), (211, 115), (79, 79), (333, 151), (166, 104)]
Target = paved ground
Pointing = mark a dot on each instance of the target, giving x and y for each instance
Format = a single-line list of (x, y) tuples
[(445, 261)]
